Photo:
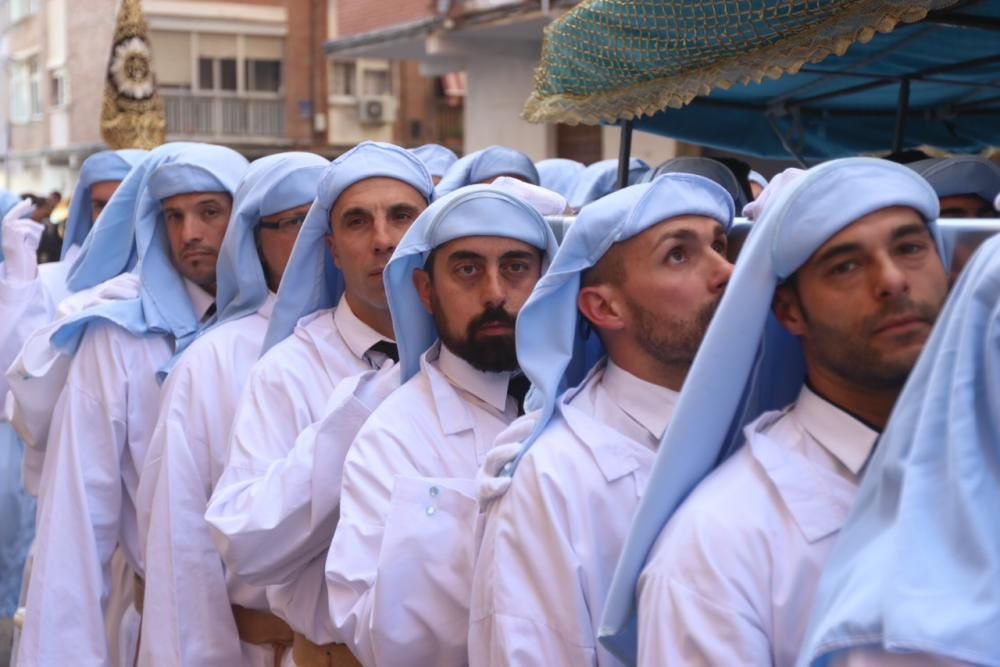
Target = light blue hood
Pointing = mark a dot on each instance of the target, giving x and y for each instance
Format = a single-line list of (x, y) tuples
[(163, 305), (477, 210), (312, 281), (99, 167)]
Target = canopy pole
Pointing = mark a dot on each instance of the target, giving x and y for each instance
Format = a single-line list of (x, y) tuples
[(902, 106), (624, 154)]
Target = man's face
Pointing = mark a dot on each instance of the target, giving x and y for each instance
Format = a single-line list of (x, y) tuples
[(275, 239), (863, 305), (100, 194), (670, 279), (366, 223), (196, 223), (966, 206), (474, 290)]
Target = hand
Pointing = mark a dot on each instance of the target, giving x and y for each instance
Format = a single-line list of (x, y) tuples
[(21, 236), (755, 209)]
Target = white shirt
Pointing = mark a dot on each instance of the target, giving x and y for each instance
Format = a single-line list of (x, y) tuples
[(552, 541), (188, 620), (267, 484), (201, 300), (101, 427), (399, 569), (731, 579)]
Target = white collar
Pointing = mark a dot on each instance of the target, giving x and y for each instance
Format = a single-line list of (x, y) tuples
[(201, 300), (267, 307), (649, 404), (359, 336), (491, 388), (844, 436)]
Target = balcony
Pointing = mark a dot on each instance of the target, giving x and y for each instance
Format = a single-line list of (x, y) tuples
[(224, 118)]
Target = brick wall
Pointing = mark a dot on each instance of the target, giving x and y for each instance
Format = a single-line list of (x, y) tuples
[(356, 17), (305, 67)]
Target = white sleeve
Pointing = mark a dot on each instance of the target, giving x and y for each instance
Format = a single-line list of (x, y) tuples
[(400, 564), (694, 608), (275, 506), (25, 307), (529, 607), (80, 515), (187, 619)]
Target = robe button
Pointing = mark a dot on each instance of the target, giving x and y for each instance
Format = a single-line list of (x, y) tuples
[(431, 510), (434, 492)]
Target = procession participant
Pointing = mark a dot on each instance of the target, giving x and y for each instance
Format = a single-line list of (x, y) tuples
[(438, 159), (601, 178), (485, 166), (105, 415), (847, 258), (642, 270), (709, 168), (191, 622), (966, 186), (757, 183), (559, 174), (400, 564), (929, 492), (30, 301), (274, 507)]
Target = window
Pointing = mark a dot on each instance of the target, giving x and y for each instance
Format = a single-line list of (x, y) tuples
[(343, 75), (263, 76), (19, 109), (227, 74), (57, 88), (377, 82), (34, 87), (20, 9), (206, 73)]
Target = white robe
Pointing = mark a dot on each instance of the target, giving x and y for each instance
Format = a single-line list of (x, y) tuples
[(399, 570), (27, 306), (262, 513), (731, 579), (97, 442), (188, 619), (552, 540)]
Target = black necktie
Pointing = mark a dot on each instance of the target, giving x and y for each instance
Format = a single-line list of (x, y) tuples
[(388, 349), (208, 313), (517, 388)]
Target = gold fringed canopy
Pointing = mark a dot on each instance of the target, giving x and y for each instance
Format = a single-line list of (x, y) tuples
[(608, 60), (132, 111)]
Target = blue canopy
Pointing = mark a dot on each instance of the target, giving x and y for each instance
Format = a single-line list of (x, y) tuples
[(847, 70)]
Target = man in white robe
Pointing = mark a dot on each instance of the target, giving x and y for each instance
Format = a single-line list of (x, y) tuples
[(29, 300), (904, 585), (105, 415), (438, 159), (274, 507), (645, 268), (400, 564), (191, 622), (847, 258)]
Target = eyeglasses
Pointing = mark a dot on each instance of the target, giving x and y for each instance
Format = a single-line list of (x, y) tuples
[(285, 225)]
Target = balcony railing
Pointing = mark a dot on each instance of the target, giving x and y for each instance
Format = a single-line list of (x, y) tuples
[(208, 116)]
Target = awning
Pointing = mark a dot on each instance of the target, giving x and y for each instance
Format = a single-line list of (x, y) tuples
[(812, 79)]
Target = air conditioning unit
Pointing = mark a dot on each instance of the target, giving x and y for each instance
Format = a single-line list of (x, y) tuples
[(377, 109)]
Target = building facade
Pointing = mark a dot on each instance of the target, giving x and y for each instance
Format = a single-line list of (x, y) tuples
[(250, 74), (495, 45)]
